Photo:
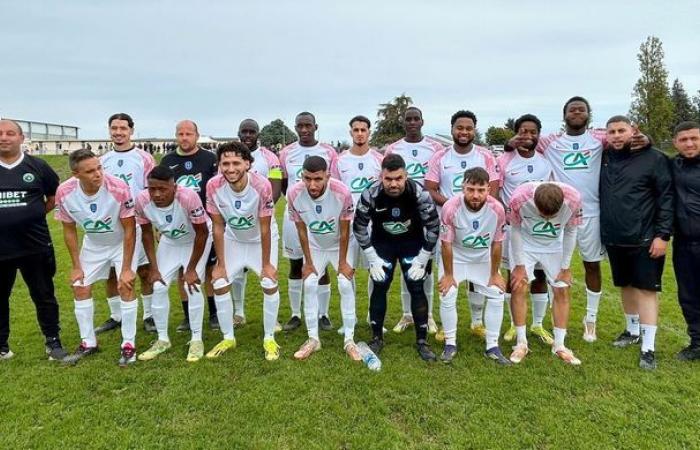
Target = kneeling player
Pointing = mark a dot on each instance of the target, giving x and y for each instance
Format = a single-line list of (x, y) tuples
[(245, 236), (544, 218), (103, 207), (177, 213), (322, 209), (472, 235)]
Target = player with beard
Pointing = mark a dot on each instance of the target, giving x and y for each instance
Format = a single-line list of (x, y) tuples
[(520, 165), (416, 150), (291, 160)]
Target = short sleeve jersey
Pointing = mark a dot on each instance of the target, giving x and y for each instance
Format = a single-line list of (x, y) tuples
[(174, 222), (292, 159), (358, 172), (447, 168), (416, 155), (130, 166), (266, 163), (472, 233), (516, 170), (242, 210), (192, 171), (321, 215), (99, 214)]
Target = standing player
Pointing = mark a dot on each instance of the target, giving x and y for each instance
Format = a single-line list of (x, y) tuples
[(27, 190), (322, 209), (131, 165), (291, 160), (245, 234), (517, 166), (193, 168), (102, 206), (544, 218), (444, 181), (416, 151), (472, 231), (177, 213), (265, 163), (404, 230)]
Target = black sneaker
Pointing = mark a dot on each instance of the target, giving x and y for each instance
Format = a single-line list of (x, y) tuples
[(110, 324), (448, 354), (376, 345), (293, 324), (324, 323), (424, 351), (213, 322), (184, 326), (81, 352), (625, 339), (647, 361), (55, 350), (149, 325), (690, 353)]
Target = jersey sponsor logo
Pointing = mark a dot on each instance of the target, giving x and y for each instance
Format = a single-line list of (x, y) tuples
[(576, 160), (190, 181), (129, 204), (12, 199), (176, 233), (416, 170), (241, 223), (546, 229), (322, 226), (397, 227), (457, 182), (477, 242), (395, 212), (298, 174), (359, 184), (188, 165), (197, 212), (125, 177), (98, 226), (28, 177)]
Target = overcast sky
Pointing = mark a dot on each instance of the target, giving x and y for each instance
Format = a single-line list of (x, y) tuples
[(217, 62)]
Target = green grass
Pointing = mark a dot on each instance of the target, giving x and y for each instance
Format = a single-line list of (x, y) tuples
[(243, 401)]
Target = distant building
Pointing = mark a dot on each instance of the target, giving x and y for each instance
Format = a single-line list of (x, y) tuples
[(44, 131)]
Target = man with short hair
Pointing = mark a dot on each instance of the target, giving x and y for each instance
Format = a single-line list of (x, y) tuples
[(404, 230), (177, 213), (636, 218), (245, 236), (444, 180), (193, 167), (416, 150), (27, 193), (102, 206), (471, 233), (544, 218), (130, 164), (291, 160), (685, 168)]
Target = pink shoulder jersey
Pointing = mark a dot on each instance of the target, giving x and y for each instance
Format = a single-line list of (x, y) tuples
[(174, 222), (516, 170), (292, 159), (131, 166), (416, 155), (358, 172), (472, 233), (447, 168), (266, 163)]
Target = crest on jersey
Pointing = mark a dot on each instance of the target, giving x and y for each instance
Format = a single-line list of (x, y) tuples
[(395, 212), (120, 162), (575, 145), (530, 168), (188, 165), (306, 156), (93, 207), (475, 224), (169, 218), (414, 152), (464, 164), (28, 177), (318, 209), (237, 204), (360, 166)]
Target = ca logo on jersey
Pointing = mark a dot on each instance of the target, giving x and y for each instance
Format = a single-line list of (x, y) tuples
[(477, 242), (577, 160), (125, 177), (242, 223), (322, 226), (360, 184), (457, 182), (298, 174), (397, 227), (190, 181), (177, 232), (416, 170), (98, 226), (546, 229)]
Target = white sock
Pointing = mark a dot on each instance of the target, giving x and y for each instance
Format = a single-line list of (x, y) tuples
[(405, 299), (271, 305), (648, 337), (160, 306), (224, 312), (130, 313), (195, 311), (539, 308), (347, 306), (324, 299), (147, 300), (632, 324), (592, 301), (506, 297), (238, 294), (311, 305), (559, 336), (448, 315), (493, 318), (521, 335), (476, 307), (115, 308), (429, 294), (294, 288), (84, 312)]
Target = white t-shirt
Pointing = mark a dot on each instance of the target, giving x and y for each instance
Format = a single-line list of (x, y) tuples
[(516, 170), (292, 159), (416, 155), (266, 163), (174, 222), (358, 172), (131, 166), (447, 168)]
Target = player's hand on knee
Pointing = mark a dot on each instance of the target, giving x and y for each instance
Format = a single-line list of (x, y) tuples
[(345, 270), (154, 275), (376, 265), (307, 270), (192, 281), (445, 283), (77, 277), (565, 277), (498, 281), (518, 278), (418, 265), (269, 271), (126, 280), (218, 272)]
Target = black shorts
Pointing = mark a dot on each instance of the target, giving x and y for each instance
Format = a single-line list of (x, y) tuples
[(211, 260), (633, 267)]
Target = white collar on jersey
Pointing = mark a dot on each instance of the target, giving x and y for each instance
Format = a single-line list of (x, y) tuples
[(14, 164)]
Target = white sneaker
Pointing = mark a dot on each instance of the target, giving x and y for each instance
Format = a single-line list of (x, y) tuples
[(404, 323), (566, 355), (519, 353), (589, 334), (432, 326)]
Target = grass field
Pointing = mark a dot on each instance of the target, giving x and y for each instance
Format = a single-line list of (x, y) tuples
[(243, 401)]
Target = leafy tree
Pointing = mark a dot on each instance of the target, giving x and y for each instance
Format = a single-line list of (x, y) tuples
[(276, 135), (510, 124), (498, 135), (683, 109), (389, 126)]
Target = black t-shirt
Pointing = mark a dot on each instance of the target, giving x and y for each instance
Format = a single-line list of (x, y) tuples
[(192, 171), (23, 192)]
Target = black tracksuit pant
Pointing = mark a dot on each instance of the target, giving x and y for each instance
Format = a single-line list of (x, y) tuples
[(686, 261)]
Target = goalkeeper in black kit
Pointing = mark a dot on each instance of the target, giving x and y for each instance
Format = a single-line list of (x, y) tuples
[(404, 230)]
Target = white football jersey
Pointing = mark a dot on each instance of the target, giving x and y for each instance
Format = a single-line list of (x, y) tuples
[(131, 166), (292, 159), (516, 170), (447, 168), (472, 232), (416, 155), (358, 172), (174, 222), (266, 163)]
